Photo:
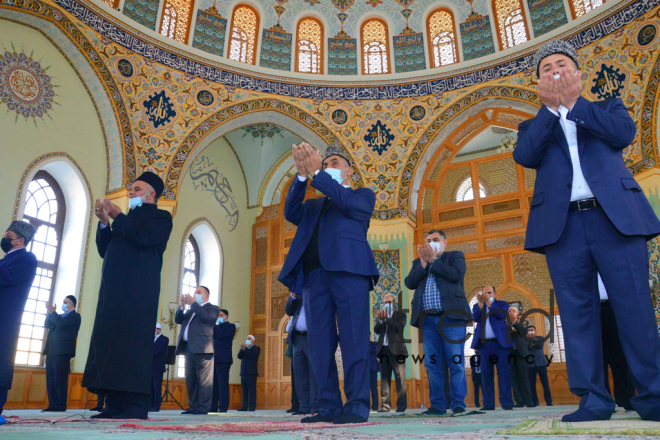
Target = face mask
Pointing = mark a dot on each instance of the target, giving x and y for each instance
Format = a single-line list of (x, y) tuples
[(155, 335), (248, 342), (220, 321), (6, 245), (491, 299), (135, 202), (198, 298), (65, 308), (389, 307), (335, 174), (436, 245)]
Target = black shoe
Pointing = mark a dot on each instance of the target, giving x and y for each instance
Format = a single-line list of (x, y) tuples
[(222, 411), (433, 412), (548, 404), (374, 409), (131, 416), (348, 418), (458, 410), (300, 413), (292, 410), (400, 410), (188, 411), (154, 410), (383, 409), (53, 410), (252, 409), (507, 408), (105, 414), (518, 405), (97, 409), (531, 406), (200, 413), (476, 404), (318, 418), (487, 409), (241, 409), (586, 415)]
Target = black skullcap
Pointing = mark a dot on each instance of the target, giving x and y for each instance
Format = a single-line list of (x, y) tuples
[(153, 180)]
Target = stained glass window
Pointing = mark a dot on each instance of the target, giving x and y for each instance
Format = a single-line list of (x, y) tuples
[(175, 22), (581, 7), (375, 56), (309, 56), (465, 191), (510, 22), (442, 38), (189, 283), (243, 36), (556, 348), (45, 209)]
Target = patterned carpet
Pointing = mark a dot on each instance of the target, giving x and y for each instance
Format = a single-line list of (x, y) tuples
[(520, 424)]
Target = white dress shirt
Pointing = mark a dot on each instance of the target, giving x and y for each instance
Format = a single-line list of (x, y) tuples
[(156, 337), (490, 333), (301, 323), (580, 188), (601, 289), (303, 178), (386, 342), (185, 332)]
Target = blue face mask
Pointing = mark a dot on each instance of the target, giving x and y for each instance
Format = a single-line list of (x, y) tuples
[(389, 307), (135, 202), (335, 174), (65, 308), (198, 298), (220, 321), (248, 342)]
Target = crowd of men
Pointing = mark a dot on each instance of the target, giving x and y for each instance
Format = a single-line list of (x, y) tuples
[(588, 216)]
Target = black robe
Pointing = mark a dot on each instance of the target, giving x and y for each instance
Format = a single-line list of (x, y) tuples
[(120, 352), (17, 271)]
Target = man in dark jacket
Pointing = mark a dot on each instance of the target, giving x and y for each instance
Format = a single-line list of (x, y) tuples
[(17, 271), (249, 356), (540, 367), (132, 249), (59, 349), (161, 343), (390, 323), (223, 337), (374, 366), (437, 278), (196, 344), (518, 361)]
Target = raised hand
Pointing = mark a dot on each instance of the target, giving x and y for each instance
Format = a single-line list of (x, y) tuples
[(297, 158), (569, 87), (548, 91), (311, 158), (112, 209), (100, 212)]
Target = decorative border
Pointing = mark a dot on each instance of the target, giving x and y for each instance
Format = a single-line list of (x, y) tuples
[(19, 196), (649, 113), (139, 45)]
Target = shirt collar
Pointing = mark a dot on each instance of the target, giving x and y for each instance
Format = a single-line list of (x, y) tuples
[(67, 312), (14, 251)]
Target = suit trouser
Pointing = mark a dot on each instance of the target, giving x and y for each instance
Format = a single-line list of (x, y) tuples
[(306, 388), (3, 398), (220, 398), (339, 299), (624, 386), (100, 400), (156, 390), (199, 379), (249, 386), (57, 380), (373, 386), (130, 405), (522, 395), (389, 364), (543, 375), (590, 244), (488, 374), (476, 384), (295, 402)]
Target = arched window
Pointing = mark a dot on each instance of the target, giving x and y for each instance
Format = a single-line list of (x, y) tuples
[(45, 209), (466, 192), (375, 47), (309, 53), (243, 36), (112, 3), (175, 22), (510, 23), (191, 263), (581, 7), (442, 37)]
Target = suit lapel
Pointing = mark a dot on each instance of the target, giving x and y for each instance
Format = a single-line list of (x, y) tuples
[(582, 140), (561, 138)]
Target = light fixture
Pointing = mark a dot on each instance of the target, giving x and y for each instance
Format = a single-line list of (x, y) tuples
[(238, 327), (384, 246), (506, 144), (172, 306)]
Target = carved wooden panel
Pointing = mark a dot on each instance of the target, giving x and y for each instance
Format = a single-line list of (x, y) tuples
[(37, 388), (273, 357), (279, 294), (260, 341), (259, 293), (275, 243)]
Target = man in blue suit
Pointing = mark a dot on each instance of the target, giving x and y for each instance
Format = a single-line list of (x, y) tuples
[(223, 339), (492, 340), (306, 388), (158, 367), (17, 271), (331, 264), (589, 215)]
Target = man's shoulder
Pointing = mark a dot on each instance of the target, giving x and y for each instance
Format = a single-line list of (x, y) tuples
[(162, 213), (454, 254)]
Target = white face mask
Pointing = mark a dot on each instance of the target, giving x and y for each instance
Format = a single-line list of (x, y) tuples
[(389, 307), (336, 174), (491, 299), (436, 245)]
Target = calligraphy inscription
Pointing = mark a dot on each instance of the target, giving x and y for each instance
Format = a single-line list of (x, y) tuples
[(339, 117), (417, 113), (608, 82), (159, 109), (379, 138), (206, 177)]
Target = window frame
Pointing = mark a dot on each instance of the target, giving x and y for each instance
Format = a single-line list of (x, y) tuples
[(388, 47), (188, 25), (256, 32), (321, 51), (571, 4), (498, 24), (430, 39), (196, 270)]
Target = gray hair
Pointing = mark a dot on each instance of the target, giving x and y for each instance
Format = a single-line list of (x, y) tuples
[(390, 294)]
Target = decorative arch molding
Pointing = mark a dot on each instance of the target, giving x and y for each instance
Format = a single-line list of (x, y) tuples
[(68, 173), (437, 127), (208, 126), (650, 121), (524, 291), (209, 234), (52, 15)]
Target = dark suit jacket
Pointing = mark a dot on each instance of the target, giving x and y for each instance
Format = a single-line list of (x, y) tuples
[(223, 338), (292, 308), (497, 319), (393, 327), (536, 349), (62, 334), (374, 366), (449, 271), (160, 353), (249, 360), (343, 245), (604, 129), (200, 333), (519, 338)]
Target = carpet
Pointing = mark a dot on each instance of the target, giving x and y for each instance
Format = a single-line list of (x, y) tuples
[(420, 416), (18, 420), (617, 426), (257, 427)]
